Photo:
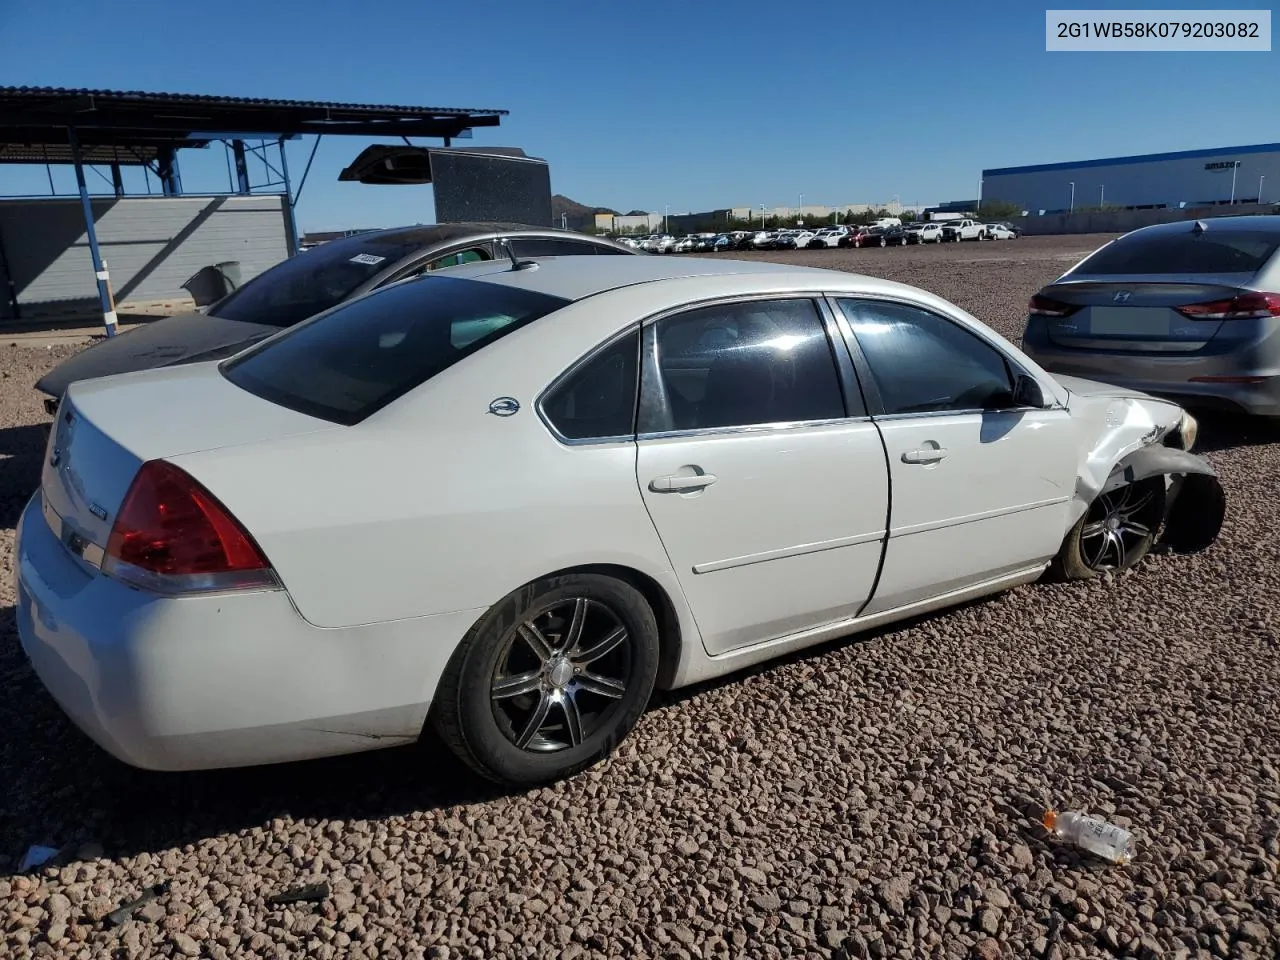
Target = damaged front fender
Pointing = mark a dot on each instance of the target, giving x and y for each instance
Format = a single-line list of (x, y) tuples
[(1195, 505)]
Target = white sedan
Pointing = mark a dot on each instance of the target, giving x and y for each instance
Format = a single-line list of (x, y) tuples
[(508, 500), (996, 231)]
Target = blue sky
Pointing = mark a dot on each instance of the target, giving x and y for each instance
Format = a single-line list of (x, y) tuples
[(642, 105)]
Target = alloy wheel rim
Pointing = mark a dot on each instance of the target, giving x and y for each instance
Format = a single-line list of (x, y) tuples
[(560, 676), (1114, 527)]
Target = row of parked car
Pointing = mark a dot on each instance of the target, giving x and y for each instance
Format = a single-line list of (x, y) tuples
[(888, 232)]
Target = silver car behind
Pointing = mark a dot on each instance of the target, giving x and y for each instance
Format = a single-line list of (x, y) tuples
[(1186, 310)]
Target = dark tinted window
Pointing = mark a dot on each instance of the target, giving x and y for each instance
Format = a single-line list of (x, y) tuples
[(360, 356), (311, 282), (742, 364), (558, 247), (599, 398), (1217, 250), (922, 362)]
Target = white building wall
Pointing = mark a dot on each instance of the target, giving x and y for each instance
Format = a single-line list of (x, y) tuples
[(152, 245), (1196, 178)]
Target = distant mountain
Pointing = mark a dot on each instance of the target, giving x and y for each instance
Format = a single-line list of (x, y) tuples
[(563, 205)]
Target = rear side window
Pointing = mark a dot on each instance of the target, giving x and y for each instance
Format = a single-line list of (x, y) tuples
[(1214, 251), (357, 358), (558, 247), (598, 399), (742, 364)]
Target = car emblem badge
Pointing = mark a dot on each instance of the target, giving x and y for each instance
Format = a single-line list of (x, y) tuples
[(98, 511), (504, 407), (1122, 296)]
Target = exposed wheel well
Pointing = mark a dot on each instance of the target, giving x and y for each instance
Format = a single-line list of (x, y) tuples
[(669, 638)]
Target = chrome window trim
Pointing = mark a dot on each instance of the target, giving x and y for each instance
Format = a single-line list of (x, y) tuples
[(968, 411), (776, 427)]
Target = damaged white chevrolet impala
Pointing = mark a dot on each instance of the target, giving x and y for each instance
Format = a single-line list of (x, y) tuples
[(506, 501)]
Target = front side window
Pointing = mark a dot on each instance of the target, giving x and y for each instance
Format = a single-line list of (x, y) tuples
[(350, 362), (598, 399), (741, 364), (924, 363)]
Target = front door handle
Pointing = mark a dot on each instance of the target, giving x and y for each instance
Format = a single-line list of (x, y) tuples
[(928, 455), (674, 484)]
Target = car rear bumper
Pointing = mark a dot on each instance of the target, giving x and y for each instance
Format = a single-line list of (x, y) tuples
[(217, 681), (1172, 376)]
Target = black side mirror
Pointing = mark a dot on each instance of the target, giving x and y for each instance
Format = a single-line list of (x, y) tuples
[(1027, 393)]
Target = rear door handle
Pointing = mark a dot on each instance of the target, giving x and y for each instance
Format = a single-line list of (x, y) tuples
[(931, 455), (674, 484)]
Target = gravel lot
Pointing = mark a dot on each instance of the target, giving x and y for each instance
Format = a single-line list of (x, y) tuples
[(877, 796)]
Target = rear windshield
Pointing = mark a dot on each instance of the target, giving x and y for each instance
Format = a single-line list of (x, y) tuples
[(1214, 251), (313, 281), (357, 358)]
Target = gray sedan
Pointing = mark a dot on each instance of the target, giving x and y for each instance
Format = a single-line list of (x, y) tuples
[(307, 284), (1187, 310)]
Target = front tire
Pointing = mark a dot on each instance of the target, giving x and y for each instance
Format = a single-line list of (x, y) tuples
[(550, 680), (1115, 533)]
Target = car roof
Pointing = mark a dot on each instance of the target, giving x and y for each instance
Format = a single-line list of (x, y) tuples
[(1260, 223), (574, 278), (424, 235)]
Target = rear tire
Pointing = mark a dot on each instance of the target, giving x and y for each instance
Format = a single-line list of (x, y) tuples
[(550, 680), (1115, 533)]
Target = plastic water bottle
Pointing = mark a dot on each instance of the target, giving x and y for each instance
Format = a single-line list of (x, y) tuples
[(1103, 839)]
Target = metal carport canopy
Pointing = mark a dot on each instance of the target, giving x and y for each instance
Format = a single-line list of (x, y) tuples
[(46, 125)]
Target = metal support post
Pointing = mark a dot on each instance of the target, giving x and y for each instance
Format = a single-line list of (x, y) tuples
[(291, 224), (242, 168), (99, 268), (170, 179), (117, 180)]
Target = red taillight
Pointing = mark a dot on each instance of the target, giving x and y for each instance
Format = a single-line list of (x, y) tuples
[(1045, 307), (172, 535), (1247, 306)]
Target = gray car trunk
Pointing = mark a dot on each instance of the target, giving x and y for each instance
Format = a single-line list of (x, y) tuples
[(185, 338)]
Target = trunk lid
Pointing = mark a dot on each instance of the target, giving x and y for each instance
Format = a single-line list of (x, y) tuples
[(182, 338), (105, 430), (1137, 314)]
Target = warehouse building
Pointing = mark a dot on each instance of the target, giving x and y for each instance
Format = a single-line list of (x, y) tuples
[(1191, 178)]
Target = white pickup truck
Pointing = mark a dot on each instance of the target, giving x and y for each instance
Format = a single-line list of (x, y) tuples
[(966, 229)]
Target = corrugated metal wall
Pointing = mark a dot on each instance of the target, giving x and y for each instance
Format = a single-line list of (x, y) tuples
[(152, 245), (1195, 181)]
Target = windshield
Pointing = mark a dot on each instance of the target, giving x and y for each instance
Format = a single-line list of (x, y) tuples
[(349, 363), (1217, 250), (313, 281)]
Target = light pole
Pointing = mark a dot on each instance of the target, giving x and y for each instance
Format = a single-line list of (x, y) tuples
[(1234, 167), (666, 209), (980, 183), (1073, 197), (1260, 179), (1102, 194)]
